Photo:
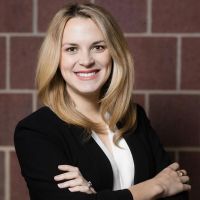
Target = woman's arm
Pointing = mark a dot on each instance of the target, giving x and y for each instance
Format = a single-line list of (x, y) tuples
[(167, 183), (39, 157), (73, 180), (160, 156)]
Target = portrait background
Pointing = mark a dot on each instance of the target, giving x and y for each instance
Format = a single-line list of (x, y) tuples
[(164, 38)]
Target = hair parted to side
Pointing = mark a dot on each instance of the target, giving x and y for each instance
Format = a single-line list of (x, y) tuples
[(116, 97)]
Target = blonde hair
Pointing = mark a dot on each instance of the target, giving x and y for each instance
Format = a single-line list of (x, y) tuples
[(116, 95)]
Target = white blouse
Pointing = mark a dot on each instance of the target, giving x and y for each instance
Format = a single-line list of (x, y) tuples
[(121, 161)]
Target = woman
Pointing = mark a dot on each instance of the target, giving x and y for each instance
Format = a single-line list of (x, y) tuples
[(90, 141)]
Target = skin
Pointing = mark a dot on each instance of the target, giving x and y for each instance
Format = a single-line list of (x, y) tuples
[(84, 51), (166, 183), (85, 65)]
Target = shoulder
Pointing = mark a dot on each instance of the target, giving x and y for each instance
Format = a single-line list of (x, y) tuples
[(142, 119), (145, 130), (143, 127), (40, 116), (44, 120)]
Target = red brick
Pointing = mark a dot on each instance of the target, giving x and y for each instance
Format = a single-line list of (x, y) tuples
[(13, 107), (130, 14), (17, 183), (191, 162), (176, 16), (48, 8), (2, 62), (155, 62), (24, 52), (2, 175), (176, 119), (139, 98), (16, 16), (190, 63)]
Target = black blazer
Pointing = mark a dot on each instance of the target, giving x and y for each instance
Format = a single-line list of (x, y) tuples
[(43, 141)]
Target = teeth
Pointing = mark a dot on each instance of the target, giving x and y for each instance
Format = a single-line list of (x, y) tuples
[(86, 74)]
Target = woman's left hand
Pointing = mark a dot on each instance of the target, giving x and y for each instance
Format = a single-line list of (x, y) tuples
[(75, 181)]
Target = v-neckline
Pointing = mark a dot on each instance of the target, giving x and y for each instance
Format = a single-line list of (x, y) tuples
[(110, 156)]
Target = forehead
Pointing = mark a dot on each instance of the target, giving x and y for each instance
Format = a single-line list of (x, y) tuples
[(81, 29)]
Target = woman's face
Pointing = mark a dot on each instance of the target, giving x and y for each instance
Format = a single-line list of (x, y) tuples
[(85, 59)]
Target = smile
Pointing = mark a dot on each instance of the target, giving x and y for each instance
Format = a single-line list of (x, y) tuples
[(87, 75)]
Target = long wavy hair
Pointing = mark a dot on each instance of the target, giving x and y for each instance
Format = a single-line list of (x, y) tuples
[(116, 94)]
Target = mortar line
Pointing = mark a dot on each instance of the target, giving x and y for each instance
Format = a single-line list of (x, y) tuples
[(149, 16), (35, 16), (162, 35), (142, 34), (184, 149), (170, 92), (147, 108), (6, 148), (7, 175), (34, 96), (16, 91), (177, 156), (7, 75), (178, 63), (38, 34)]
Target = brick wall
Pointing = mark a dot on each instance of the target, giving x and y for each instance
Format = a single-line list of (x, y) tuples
[(164, 37)]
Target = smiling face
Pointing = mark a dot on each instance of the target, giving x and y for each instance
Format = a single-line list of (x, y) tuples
[(85, 59)]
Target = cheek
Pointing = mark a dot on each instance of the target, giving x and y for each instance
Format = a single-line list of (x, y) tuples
[(64, 67), (108, 68), (108, 64), (105, 60), (66, 63)]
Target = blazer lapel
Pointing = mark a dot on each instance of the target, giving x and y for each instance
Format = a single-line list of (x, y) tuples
[(139, 156), (98, 171)]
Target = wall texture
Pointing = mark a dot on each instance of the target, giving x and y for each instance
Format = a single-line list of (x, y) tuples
[(164, 37)]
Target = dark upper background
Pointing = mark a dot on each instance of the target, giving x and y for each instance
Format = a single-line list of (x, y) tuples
[(164, 38)]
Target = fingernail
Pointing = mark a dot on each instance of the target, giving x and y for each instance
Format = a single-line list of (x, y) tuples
[(60, 185), (60, 166)]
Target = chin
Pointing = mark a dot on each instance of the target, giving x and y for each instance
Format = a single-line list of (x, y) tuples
[(89, 91)]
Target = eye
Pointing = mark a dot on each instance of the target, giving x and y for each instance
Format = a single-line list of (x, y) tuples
[(99, 48), (71, 49)]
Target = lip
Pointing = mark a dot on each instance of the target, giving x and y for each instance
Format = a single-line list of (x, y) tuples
[(88, 71), (86, 74)]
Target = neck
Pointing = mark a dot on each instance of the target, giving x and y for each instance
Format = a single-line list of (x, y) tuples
[(87, 105)]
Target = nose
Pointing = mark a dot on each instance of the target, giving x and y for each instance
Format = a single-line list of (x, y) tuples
[(86, 59)]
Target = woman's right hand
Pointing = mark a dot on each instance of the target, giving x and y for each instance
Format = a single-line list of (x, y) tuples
[(73, 180), (168, 182)]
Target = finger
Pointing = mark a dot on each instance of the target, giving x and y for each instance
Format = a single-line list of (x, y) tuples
[(67, 168), (174, 166), (184, 179), (66, 176), (84, 189), (186, 187), (184, 172), (71, 183)]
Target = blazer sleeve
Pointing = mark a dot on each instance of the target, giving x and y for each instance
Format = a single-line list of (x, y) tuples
[(39, 157), (160, 156)]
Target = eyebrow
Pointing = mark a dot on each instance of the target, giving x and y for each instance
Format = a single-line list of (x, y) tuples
[(97, 42), (74, 44)]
